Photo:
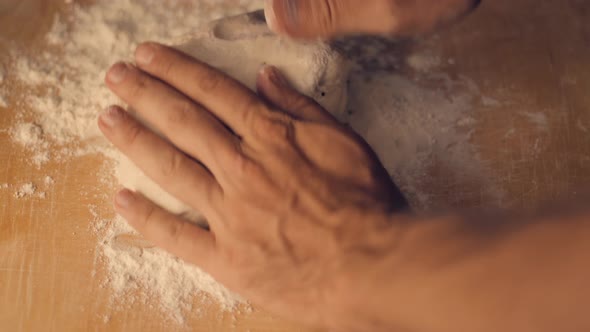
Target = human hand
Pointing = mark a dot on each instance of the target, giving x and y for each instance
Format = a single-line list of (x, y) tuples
[(293, 198), (331, 18)]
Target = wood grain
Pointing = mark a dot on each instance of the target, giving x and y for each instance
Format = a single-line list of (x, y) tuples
[(533, 56)]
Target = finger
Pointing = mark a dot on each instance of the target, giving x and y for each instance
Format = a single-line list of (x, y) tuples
[(275, 88), (176, 173), (167, 231), (227, 99), (187, 125), (329, 18)]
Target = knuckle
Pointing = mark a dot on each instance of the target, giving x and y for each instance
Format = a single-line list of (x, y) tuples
[(247, 169), (178, 229), (300, 102), (139, 87), (244, 166), (181, 113), (212, 196), (148, 215), (210, 80), (133, 133), (273, 130), (167, 67), (231, 257), (171, 166), (249, 109)]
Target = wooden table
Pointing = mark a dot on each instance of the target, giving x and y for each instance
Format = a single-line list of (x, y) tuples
[(536, 54)]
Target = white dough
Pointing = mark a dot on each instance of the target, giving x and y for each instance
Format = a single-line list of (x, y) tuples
[(239, 47)]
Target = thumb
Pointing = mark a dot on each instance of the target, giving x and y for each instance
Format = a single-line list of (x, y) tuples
[(328, 18)]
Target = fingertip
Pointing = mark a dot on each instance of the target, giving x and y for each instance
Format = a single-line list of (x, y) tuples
[(270, 16), (264, 73), (144, 53), (263, 82), (110, 117), (124, 199), (275, 76), (271, 83), (117, 73)]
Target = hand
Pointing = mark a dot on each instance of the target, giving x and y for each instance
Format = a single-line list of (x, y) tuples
[(331, 18), (292, 197)]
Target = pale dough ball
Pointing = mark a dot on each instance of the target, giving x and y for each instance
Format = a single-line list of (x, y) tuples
[(239, 47)]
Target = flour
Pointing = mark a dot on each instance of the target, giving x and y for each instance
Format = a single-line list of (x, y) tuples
[(172, 281), (414, 127), (31, 136), (3, 93), (423, 62), (538, 119), (409, 121), (48, 181), (67, 93), (581, 126), (26, 190)]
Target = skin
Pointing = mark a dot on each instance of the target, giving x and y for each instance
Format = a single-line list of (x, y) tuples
[(311, 19), (305, 222)]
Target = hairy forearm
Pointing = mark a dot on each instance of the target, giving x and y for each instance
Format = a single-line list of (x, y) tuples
[(463, 274)]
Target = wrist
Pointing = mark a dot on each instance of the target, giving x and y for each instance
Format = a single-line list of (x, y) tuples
[(365, 272)]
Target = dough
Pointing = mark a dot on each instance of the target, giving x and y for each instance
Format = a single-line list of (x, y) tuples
[(239, 46)]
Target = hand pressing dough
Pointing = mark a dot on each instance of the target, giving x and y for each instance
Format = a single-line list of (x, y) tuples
[(239, 46)]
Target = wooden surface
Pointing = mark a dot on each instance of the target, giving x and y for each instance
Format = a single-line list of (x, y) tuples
[(534, 54)]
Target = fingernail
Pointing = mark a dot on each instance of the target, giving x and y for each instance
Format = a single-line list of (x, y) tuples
[(144, 54), (269, 14), (124, 198), (291, 12), (275, 76), (111, 116), (288, 9), (117, 73)]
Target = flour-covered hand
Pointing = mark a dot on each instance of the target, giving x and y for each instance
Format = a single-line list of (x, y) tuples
[(293, 198)]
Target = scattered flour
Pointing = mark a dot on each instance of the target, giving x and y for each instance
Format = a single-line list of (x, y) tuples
[(490, 102), (26, 190), (423, 62), (28, 134), (416, 118), (581, 126), (67, 81), (31, 136), (3, 100), (538, 119), (48, 180)]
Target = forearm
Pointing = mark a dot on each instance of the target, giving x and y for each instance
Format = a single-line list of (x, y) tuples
[(460, 274)]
